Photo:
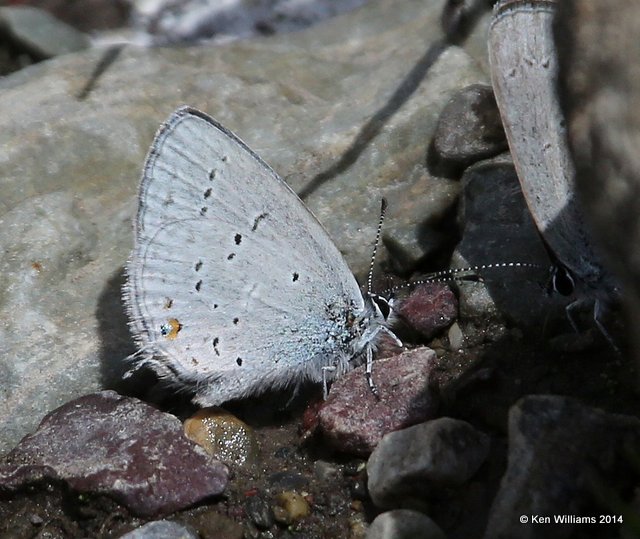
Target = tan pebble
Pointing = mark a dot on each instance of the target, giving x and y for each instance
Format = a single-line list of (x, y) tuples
[(223, 436), (357, 527), (290, 507)]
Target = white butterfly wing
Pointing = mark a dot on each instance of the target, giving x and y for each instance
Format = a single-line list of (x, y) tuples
[(233, 286)]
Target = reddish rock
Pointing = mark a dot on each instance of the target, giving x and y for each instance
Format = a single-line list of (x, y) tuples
[(119, 446), (429, 309), (354, 420)]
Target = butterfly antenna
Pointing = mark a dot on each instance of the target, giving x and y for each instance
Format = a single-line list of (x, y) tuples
[(383, 210), (453, 274)]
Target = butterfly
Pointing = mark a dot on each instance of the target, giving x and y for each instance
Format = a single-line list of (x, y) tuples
[(233, 287), (523, 71)]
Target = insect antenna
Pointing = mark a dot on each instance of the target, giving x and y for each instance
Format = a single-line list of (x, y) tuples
[(457, 274), (383, 210)]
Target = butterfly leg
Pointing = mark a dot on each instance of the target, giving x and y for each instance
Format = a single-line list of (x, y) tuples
[(600, 309), (369, 352), (325, 387), (569, 310), (370, 382), (391, 334)]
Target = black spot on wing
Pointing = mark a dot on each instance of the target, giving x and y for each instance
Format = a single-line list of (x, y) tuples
[(257, 220)]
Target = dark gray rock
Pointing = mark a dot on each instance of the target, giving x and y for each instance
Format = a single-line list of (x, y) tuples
[(105, 443), (557, 449), (353, 420), (412, 464), (469, 129), (38, 33), (498, 228), (460, 16), (404, 524)]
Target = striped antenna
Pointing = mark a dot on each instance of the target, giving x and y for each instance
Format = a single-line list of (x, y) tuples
[(453, 274), (383, 209)]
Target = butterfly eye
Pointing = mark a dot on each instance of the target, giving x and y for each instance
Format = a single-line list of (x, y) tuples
[(562, 281), (383, 305)]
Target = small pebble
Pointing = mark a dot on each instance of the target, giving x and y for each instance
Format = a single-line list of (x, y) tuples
[(162, 529), (354, 467), (288, 481), (326, 471), (329, 503), (223, 436), (429, 309), (291, 507), (259, 512), (469, 130), (357, 527), (456, 337), (412, 464), (36, 519), (404, 524)]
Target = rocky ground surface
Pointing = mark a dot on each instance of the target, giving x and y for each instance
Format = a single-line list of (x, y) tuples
[(493, 412)]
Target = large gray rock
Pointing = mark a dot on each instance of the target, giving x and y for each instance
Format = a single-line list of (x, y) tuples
[(343, 111), (560, 453)]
